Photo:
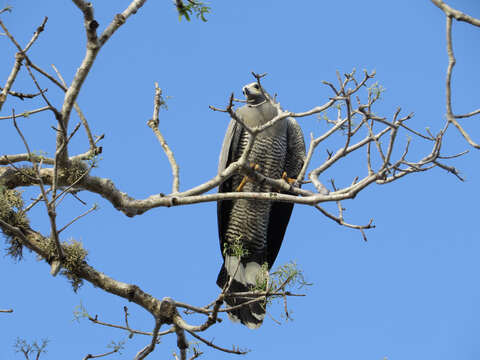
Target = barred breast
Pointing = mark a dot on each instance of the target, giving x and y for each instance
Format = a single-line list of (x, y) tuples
[(249, 219)]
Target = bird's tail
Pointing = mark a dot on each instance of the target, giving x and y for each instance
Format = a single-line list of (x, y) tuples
[(246, 277)]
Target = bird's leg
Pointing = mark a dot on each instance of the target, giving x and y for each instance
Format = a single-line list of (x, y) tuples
[(255, 167), (287, 179)]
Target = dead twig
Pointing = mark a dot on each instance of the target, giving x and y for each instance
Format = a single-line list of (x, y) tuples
[(153, 124)]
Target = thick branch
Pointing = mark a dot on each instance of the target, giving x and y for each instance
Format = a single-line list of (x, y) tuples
[(458, 15), (142, 354)]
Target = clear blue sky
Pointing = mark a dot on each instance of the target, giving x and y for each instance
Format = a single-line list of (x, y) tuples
[(410, 292)]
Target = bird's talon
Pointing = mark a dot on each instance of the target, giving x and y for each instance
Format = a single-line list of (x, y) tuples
[(242, 184), (287, 179), (245, 179)]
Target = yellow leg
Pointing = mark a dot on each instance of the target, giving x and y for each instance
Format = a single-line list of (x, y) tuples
[(287, 179), (242, 184), (256, 167)]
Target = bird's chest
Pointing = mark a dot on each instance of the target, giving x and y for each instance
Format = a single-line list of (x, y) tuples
[(269, 150), (270, 146)]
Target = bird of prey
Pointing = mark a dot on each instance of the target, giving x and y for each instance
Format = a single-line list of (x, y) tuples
[(258, 225)]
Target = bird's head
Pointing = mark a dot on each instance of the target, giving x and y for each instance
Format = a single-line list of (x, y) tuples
[(254, 94)]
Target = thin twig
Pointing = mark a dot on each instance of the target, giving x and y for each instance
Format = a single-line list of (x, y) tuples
[(130, 330), (11, 78), (23, 96), (82, 117), (470, 114), (26, 114), (51, 213), (153, 124), (448, 93), (94, 207), (36, 34), (340, 220), (90, 356), (211, 344), (36, 201)]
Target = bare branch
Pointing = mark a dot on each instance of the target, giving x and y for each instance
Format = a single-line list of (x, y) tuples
[(450, 169), (93, 208), (9, 159), (79, 112), (458, 15), (120, 19), (45, 74), (182, 343), (19, 57), (127, 328), (470, 114), (11, 78), (23, 96), (451, 118), (26, 113), (153, 124), (453, 156), (90, 356), (12, 39), (5, 9), (42, 94), (36, 201), (93, 47), (211, 344), (50, 211), (142, 354), (90, 23), (340, 221), (36, 35)]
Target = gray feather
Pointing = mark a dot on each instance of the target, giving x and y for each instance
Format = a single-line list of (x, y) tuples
[(260, 225)]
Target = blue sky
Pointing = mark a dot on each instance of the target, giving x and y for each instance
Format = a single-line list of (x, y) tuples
[(410, 292)]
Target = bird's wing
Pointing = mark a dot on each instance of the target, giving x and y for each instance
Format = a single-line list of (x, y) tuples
[(280, 212), (295, 149), (227, 145), (227, 155)]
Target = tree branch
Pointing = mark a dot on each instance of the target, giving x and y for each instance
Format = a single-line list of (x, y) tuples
[(153, 124), (142, 354), (458, 15)]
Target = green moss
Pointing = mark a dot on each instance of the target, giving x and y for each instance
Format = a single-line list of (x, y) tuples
[(11, 205), (235, 248), (262, 278), (11, 212), (74, 173), (26, 174), (289, 277), (75, 256)]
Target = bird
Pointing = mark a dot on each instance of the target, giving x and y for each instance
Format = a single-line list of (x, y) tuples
[(257, 225)]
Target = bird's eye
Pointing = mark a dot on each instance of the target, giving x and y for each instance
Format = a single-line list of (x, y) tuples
[(255, 86)]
